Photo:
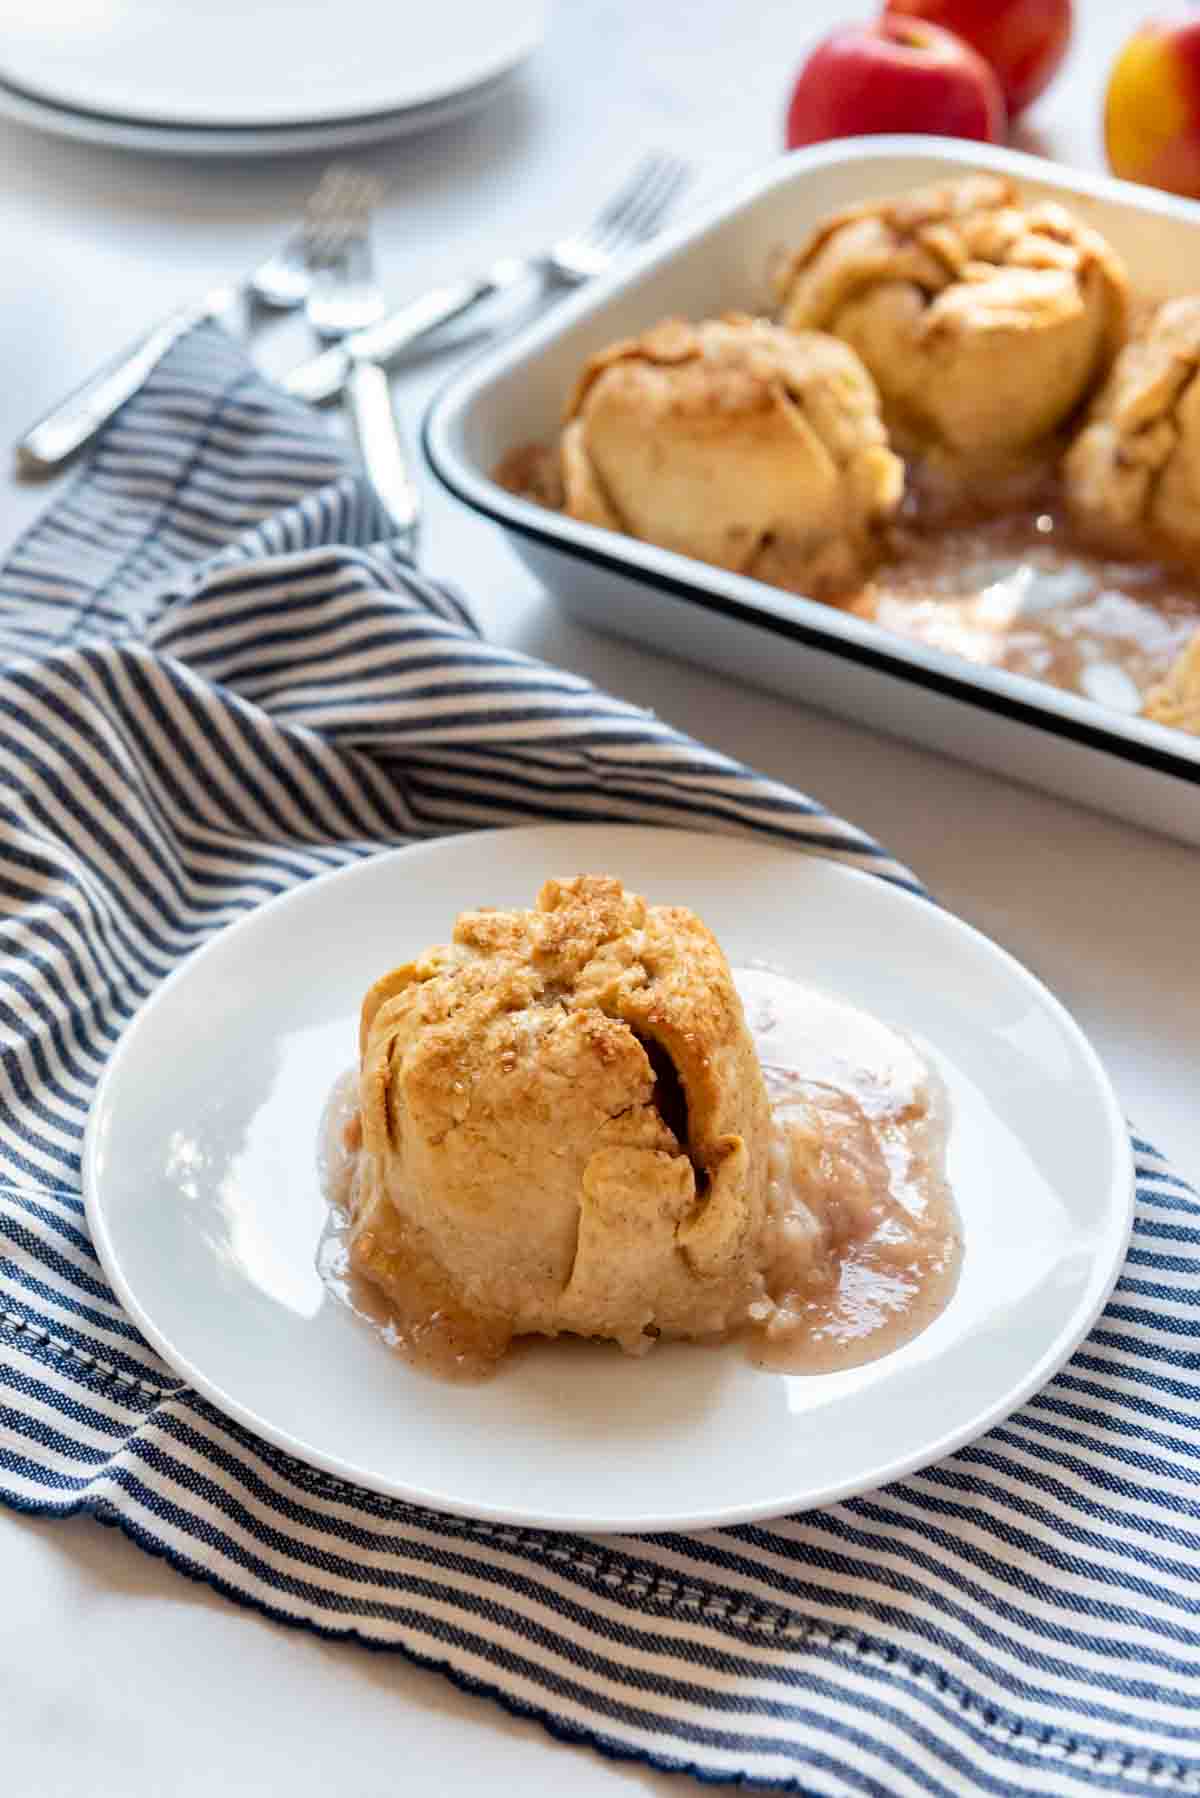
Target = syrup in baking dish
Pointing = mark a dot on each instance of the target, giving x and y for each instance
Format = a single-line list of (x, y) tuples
[(862, 1249), (1023, 592)]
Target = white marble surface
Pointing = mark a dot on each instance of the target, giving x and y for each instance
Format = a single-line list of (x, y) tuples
[(117, 1676)]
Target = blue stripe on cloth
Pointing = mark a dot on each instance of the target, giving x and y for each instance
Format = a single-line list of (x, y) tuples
[(219, 681)]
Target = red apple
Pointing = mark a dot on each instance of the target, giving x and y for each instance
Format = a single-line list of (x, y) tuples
[(894, 76), (1152, 109), (1024, 41)]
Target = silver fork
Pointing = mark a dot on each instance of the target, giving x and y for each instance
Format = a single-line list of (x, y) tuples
[(279, 284), (344, 300), (632, 216)]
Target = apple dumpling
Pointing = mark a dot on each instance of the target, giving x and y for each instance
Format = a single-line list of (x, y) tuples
[(1134, 469), (986, 322), (564, 1128), (756, 449), (1175, 699)]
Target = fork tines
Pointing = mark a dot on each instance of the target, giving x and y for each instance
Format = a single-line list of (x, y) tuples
[(344, 295), (338, 213), (635, 209)]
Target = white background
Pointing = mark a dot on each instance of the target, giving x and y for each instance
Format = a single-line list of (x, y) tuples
[(116, 1675)]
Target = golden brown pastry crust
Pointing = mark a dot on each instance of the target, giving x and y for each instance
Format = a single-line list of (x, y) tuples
[(1175, 700), (755, 449), (1134, 469), (985, 322), (565, 1124)]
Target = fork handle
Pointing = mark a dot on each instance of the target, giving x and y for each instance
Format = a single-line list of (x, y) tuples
[(323, 377), (377, 433), (69, 425)]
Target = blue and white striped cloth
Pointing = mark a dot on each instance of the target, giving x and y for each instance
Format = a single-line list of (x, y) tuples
[(217, 683)]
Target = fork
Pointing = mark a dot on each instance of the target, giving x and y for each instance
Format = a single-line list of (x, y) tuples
[(631, 216), (278, 284), (344, 299)]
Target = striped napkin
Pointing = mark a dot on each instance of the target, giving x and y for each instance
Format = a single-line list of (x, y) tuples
[(217, 684)]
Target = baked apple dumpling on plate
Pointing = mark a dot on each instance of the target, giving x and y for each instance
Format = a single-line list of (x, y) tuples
[(564, 1128), (985, 321), (740, 444)]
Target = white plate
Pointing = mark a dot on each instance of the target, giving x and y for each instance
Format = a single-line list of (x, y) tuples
[(272, 63), (215, 140), (204, 1205), (715, 261)]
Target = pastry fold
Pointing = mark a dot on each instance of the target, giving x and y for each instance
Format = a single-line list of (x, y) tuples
[(1134, 470)]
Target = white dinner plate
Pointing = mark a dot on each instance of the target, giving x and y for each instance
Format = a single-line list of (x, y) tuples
[(273, 63), (204, 1203), (244, 140)]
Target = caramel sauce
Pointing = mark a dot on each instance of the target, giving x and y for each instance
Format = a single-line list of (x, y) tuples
[(863, 1243), (862, 1248), (531, 471), (1024, 591)]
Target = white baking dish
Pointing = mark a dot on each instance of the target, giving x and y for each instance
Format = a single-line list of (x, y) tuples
[(1135, 769)]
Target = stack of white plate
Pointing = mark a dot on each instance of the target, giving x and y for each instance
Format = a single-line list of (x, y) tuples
[(226, 78)]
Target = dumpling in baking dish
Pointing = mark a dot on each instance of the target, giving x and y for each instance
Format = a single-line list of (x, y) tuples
[(757, 449), (1175, 699), (985, 321), (1132, 475)]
